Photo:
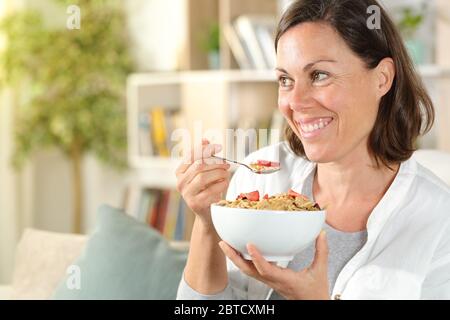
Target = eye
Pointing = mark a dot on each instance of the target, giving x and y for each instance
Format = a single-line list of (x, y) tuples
[(285, 82), (318, 76)]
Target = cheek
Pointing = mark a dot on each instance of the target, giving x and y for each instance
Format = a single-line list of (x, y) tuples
[(283, 106), (362, 110)]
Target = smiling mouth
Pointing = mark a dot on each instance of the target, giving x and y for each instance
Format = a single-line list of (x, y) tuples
[(315, 125)]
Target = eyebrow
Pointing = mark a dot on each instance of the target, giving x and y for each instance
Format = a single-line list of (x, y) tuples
[(308, 66)]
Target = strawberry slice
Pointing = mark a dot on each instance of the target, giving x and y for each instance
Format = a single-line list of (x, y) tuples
[(292, 193), (252, 196), (267, 163), (266, 196)]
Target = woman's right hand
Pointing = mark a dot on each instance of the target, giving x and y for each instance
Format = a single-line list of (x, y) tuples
[(201, 180)]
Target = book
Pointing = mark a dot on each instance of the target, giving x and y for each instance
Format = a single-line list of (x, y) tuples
[(244, 27), (172, 215), (258, 42), (147, 202), (159, 131), (265, 30), (161, 213), (238, 47), (131, 200), (145, 137), (144, 204), (152, 215), (164, 210), (179, 226)]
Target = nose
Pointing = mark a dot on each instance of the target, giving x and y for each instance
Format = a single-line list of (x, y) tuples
[(300, 98)]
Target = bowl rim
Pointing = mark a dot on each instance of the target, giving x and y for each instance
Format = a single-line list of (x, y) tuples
[(262, 211)]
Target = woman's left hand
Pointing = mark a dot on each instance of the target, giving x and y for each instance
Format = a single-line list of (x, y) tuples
[(308, 284)]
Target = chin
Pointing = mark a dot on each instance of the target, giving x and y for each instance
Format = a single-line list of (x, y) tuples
[(319, 155)]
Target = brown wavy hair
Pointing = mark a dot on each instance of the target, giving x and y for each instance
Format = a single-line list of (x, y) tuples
[(406, 111)]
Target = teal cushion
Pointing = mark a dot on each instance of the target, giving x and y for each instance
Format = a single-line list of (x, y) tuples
[(124, 259)]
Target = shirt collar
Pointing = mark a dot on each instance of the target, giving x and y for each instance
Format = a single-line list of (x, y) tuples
[(392, 199), (303, 179)]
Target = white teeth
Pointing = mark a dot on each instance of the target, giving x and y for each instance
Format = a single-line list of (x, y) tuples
[(313, 127)]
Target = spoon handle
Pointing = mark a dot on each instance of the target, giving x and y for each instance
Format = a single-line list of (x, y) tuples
[(224, 159)]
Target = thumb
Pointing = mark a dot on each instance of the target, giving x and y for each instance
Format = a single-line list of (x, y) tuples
[(321, 256)]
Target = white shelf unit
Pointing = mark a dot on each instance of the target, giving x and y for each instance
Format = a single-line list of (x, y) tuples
[(217, 100), (433, 71)]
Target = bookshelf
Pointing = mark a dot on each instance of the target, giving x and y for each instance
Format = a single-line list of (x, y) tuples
[(197, 18), (203, 101), (193, 100), (229, 10), (206, 100)]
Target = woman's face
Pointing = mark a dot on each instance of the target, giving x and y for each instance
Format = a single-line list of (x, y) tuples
[(328, 96)]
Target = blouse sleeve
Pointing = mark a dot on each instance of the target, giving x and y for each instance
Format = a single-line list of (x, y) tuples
[(237, 288)]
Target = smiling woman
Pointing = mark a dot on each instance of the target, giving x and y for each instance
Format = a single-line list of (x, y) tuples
[(354, 107), (366, 76)]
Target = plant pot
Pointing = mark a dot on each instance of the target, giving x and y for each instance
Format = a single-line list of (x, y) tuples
[(214, 60), (416, 50)]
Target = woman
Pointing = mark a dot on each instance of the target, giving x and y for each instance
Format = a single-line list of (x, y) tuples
[(355, 107)]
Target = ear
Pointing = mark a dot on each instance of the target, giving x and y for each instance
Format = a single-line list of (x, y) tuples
[(385, 73)]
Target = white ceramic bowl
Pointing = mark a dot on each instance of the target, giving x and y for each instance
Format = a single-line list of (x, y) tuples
[(279, 235)]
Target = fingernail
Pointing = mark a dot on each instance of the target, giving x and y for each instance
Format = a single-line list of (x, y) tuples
[(250, 249)]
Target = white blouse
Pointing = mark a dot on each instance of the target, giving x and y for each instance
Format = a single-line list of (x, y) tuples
[(407, 252)]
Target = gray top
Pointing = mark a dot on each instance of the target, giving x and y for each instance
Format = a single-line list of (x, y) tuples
[(342, 246)]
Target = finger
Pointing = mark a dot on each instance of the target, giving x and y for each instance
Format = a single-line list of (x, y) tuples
[(245, 266), (198, 153), (213, 193), (320, 262), (266, 270), (195, 169), (204, 179), (188, 158)]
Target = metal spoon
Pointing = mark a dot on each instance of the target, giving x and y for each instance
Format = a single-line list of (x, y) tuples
[(265, 171)]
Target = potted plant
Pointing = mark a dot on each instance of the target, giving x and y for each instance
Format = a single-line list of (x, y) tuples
[(409, 22), (70, 86), (211, 45)]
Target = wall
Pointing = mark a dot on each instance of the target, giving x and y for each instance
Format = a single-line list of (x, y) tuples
[(8, 185), (53, 191), (156, 38), (40, 196)]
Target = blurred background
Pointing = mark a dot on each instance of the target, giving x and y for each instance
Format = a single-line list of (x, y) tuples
[(92, 93)]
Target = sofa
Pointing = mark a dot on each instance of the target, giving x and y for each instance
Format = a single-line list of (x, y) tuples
[(42, 257)]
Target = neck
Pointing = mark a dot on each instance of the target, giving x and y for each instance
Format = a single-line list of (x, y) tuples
[(353, 178)]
